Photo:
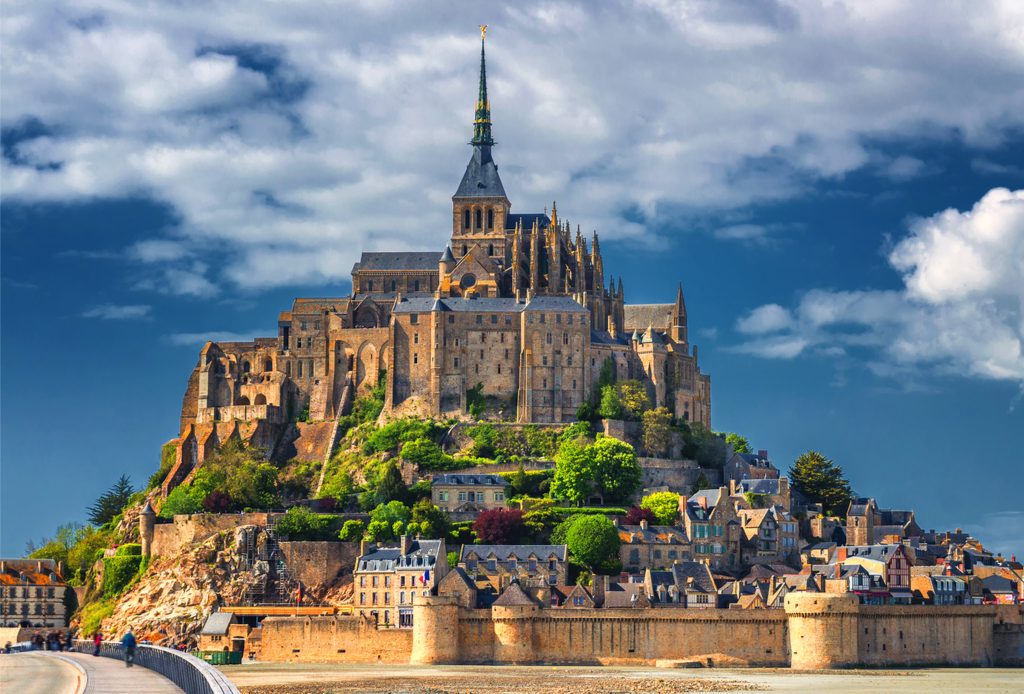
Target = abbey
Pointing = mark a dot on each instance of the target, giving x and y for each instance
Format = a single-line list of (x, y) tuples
[(517, 306)]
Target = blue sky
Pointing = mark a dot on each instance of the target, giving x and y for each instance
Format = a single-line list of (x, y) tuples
[(839, 188)]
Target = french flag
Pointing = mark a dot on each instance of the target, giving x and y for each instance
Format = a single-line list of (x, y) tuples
[(425, 578)]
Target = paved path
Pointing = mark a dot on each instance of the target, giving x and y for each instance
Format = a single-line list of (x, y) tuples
[(36, 673)]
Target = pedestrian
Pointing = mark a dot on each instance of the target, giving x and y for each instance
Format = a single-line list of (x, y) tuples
[(97, 641), (129, 648)]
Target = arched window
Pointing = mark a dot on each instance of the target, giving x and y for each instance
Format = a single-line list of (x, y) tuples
[(268, 365), (463, 249), (394, 285), (245, 367), (416, 285), (479, 218), (490, 249), (490, 219), (465, 220)]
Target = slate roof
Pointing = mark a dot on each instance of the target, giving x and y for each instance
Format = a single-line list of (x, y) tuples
[(481, 179), (217, 623), (765, 486), (425, 304), (422, 553), (654, 534), (513, 596), (754, 460), (859, 506), (876, 552), (401, 260), (640, 316), (554, 303), (603, 337), (505, 552), (527, 220), (894, 517), (459, 479), (622, 594), (999, 584), (698, 571)]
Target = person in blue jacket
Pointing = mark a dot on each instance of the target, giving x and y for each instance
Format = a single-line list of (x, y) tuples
[(129, 648)]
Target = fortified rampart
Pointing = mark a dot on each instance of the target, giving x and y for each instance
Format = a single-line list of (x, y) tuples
[(169, 538), (814, 631)]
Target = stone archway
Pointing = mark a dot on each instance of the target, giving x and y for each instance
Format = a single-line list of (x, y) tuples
[(260, 399), (367, 365)]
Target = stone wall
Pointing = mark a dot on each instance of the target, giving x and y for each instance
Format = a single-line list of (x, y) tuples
[(925, 635), (1008, 636), (169, 538), (317, 563), (343, 639), (675, 475)]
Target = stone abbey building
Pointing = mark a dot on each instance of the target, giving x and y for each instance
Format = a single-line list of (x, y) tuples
[(517, 303)]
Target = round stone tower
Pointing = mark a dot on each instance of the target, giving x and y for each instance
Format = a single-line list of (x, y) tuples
[(513, 633), (147, 522), (822, 630), (435, 630)]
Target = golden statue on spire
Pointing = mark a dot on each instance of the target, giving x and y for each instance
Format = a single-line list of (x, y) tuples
[(483, 31)]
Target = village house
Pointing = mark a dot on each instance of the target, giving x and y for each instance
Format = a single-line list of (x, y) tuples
[(749, 466), (866, 524), (688, 584), (387, 578), (651, 546), (709, 517), (32, 593), (769, 535), (534, 567), (763, 493), (468, 494), (938, 589), (890, 562)]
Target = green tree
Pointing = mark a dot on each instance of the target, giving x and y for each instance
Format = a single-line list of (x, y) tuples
[(616, 470), (300, 523), (702, 483), (739, 443), (574, 478), (182, 500), (704, 446), (605, 377), (352, 531), (426, 454), (378, 531), (664, 506), (593, 540), (821, 481), (634, 399), (611, 404), (433, 522), (391, 512), (110, 502), (391, 486), (657, 431)]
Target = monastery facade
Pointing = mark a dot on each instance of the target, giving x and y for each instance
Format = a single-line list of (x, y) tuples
[(517, 304)]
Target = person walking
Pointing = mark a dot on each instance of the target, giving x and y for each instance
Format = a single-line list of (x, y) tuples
[(129, 648), (97, 641)]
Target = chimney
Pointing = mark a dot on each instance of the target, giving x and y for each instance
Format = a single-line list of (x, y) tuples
[(840, 555), (763, 454), (643, 524), (363, 544), (703, 501), (732, 487), (404, 544)]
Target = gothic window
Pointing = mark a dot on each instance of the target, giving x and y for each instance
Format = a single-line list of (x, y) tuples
[(479, 219), (463, 249), (490, 221), (549, 338), (394, 285), (416, 286), (465, 223), (268, 365), (490, 249), (299, 363), (565, 338), (369, 285)]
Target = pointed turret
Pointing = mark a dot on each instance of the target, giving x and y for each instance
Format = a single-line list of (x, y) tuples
[(678, 330), (482, 121)]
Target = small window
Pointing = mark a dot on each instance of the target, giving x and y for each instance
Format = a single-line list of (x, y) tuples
[(465, 224), (494, 320), (369, 285), (542, 318), (414, 318), (490, 249), (479, 219), (479, 320), (490, 224), (456, 364), (416, 285), (415, 358), (394, 285), (558, 318), (451, 319), (415, 338)]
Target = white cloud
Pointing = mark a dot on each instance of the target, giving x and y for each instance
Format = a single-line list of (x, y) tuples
[(272, 137), (960, 311), (118, 312), (193, 339)]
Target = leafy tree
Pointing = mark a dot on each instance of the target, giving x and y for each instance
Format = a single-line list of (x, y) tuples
[(352, 531), (426, 454), (182, 500), (634, 399), (664, 506), (110, 502), (433, 523), (574, 477), (453, 559), (637, 514), (593, 540), (217, 502), (300, 523), (586, 412), (611, 404), (821, 481), (485, 440), (499, 526), (391, 513), (616, 470), (739, 443), (476, 403), (391, 486), (338, 485), (755, 500), (378, 531), (704, 446), (657, 430), (605, 377)]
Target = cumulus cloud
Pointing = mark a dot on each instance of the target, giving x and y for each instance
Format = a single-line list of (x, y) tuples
[(273, 138), (118, 312), (960, 311)]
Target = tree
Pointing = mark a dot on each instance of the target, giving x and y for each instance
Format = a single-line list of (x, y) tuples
[(739, 443), (704, 446), (702, 483), (821, 481), (574, 478), (352, 531), (110, 502), (433, 523), (391, 486), (586, 412), (426, 454), (611, 405), (615, 468), (498, 526), (300, 523), (633, 396), (391, 512), (593, 540), (657, 430), (605, 377), (664, 506), (635, 514), (378, 531)]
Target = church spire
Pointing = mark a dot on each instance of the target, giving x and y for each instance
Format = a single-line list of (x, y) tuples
[(482, 121)]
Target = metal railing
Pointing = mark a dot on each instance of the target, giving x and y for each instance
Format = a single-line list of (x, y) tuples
[(188, 672)]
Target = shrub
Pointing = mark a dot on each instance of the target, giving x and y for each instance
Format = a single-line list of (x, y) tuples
[(181, 500), (93, 614), (635, 514), (593, 540), (657, 427), (485, 440), (500, 526), (168, 453), (352, 531), (118, 572), (217, 501), (426, 454), (338, 485), (453, 559), (476, 403), (300, 523), (129, 549), (664, 506), (431, 521), (611, 405), (393, 434)]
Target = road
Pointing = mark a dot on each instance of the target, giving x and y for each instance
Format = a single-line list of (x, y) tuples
[(35, 673)]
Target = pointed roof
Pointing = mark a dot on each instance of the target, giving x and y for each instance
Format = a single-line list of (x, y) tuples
[(482, 122), (680, 301), (147, 510), (447, 256), (513, 596), (652, 337), (481, 178)]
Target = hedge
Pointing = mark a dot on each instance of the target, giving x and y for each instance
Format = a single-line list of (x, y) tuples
[(129, 549), (118, 572)]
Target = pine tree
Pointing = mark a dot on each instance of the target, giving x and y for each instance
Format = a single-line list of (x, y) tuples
[(821, 481), (110, 503)]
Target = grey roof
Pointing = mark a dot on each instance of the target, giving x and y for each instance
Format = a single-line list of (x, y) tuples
[(401, 260), (876, 552), (999, 584), (698, 571), (622, 594), (447, 256), (147, 510), (760, 486), (640, 316), (422, 553), (554, 303), (505, 552), (652, 336), (894, 517), (527, 220), (754, 460), (425, 304), (603, 337), (512, 596), (217, 623), (481, 179), (458, 480)]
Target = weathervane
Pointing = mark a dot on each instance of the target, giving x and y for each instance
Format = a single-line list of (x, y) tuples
[(483, 31)]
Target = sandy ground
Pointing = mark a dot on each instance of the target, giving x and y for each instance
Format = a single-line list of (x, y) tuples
[(289, 678)]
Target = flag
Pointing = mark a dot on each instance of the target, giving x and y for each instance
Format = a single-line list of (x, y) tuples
[(425, 578)]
